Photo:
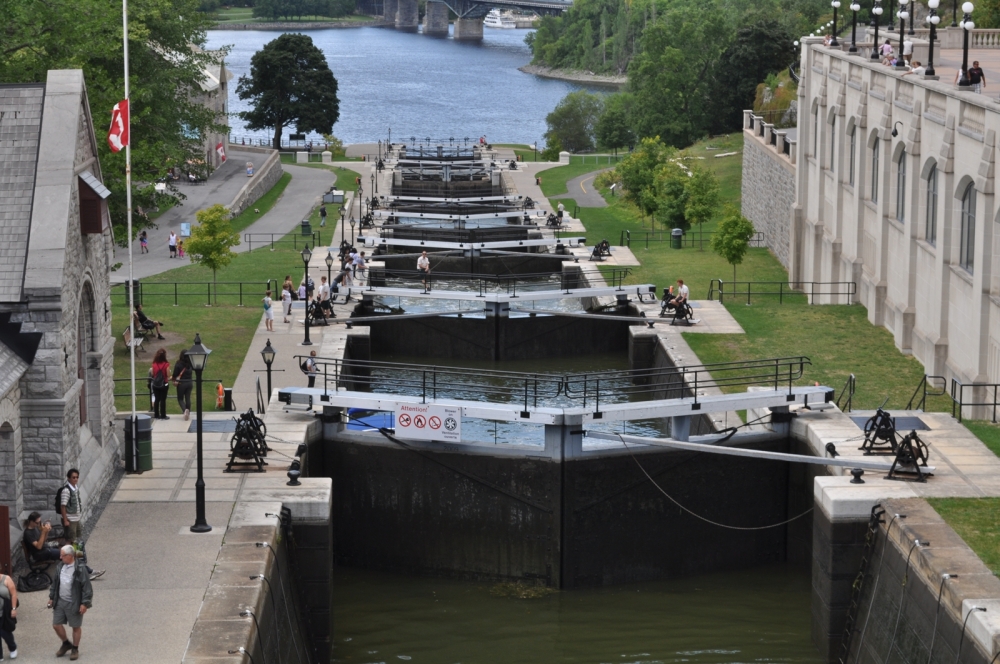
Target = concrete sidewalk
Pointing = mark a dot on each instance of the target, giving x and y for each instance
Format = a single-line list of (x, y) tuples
[(295, 204)]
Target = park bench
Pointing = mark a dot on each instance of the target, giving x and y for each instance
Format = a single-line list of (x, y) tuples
[(137, 342)]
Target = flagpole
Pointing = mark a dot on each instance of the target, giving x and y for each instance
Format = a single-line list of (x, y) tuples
[(128, 205)]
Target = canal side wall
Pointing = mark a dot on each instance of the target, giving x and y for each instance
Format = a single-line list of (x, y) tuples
[(266, 175)]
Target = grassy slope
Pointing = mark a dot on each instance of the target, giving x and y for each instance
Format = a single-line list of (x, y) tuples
[(975, 521)]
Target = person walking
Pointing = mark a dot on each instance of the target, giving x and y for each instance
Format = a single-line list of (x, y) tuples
[(268, 312), (322, 216), (143, 243), (71, 511), (359, 266), (182, 381), (180, 248), (8, 596), (172, 243), (977, 77), (159, 381), (70, 597), (289, 285), (286, 300)]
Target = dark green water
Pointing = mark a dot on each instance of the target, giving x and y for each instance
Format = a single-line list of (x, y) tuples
[(760, 615)]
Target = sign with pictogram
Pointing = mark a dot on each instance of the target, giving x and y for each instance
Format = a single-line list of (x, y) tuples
[(429, 422)]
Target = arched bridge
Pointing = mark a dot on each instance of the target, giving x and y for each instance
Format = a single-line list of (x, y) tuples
[(469, 24)]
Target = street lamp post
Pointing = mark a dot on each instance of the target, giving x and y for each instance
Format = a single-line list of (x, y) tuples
[(342, 212), (966, 26), (329, 267), (855, 7), (835, 4), (306, 255), (268, 354), (903, 15), (374, 185), (933, 19), (198, 356), (876, 12), (352, 231)]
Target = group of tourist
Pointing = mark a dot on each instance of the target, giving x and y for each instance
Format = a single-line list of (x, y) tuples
[(161, 378), (174, 243), (889, 56), (70, 592)]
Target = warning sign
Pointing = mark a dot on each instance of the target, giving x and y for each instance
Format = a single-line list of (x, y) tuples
[(429, 422)]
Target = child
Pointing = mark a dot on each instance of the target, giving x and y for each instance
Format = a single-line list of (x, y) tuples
[(143, 248), (180, 248)]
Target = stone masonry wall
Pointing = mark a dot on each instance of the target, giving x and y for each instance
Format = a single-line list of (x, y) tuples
[(768, 193), (265, 176)]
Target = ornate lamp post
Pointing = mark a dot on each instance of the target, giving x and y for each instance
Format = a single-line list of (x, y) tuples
[(268, 354), (903, 15), (966, 26), (374, 188), (855, 8), (352, 231), (342, 213), (835, 4), (329, 266), (306, 255), (876, 12), (198, 356), (933, 19)]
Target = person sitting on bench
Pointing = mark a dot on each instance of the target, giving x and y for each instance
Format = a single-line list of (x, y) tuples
[(147, 323), (35, 534)]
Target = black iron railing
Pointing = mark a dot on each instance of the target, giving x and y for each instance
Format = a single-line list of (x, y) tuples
[(844, 291), (272, 240), (588, 390), (919, 399), (846, 397), (974, 395), (207, 291), (693, 239)]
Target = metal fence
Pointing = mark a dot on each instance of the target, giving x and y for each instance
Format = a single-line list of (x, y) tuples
[(314, 239), (738, 289), (206, 292), (974, 395), (700, 240)]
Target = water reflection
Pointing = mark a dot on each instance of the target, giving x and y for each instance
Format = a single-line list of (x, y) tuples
[(760, 615)]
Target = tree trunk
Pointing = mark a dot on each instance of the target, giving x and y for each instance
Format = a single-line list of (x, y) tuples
[(276, 141), (215, 287), (734, 273)]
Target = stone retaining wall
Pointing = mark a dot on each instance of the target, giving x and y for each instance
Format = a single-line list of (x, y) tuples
[(265, 176), (768, 193)]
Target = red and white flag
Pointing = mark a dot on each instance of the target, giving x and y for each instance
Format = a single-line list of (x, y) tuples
[(118, 133), (221, 149)]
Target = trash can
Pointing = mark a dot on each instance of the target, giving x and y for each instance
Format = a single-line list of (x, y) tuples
[(307, 228), (227, 399), (675, 238), (139, 450)]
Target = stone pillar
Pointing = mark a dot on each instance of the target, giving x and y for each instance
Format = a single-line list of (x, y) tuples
[(468, 29), (436, 19), (407, 15), (301, 157), (327, 157), (389, 8)]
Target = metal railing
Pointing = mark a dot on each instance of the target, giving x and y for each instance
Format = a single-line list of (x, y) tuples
[(528, 389), (505, 283), (921, 391), (210, 291), (732, 289), (700, 240), (275, 239), (471, 235), (979, 390), (846, 397)]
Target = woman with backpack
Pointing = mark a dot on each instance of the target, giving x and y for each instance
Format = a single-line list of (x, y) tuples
[(159, 381), (183, 383)]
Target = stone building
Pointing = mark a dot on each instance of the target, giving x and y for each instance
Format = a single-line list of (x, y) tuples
[(56, 344), (895, 186), (213, 93)]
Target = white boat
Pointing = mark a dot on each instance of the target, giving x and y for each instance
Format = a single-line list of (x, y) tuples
[(497, 19)]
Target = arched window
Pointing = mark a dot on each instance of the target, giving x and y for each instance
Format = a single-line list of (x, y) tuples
[(967, 249), (901, 187), (874, 195), (854, 137), (930, 233), (833, 140)]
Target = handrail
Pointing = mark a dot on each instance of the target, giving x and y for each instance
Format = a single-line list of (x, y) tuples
[(958, 389), (584, 389), (209, 289), (316, 239), (913, 404), (261, 407), (694, 239), (848, 391), (736, 288)]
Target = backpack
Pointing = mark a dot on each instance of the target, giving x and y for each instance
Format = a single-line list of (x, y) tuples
[(59, 493), (159, 380), (304, 366)]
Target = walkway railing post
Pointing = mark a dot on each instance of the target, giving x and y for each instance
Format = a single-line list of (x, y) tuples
[(209, 288), (241, 293), (175, 294)]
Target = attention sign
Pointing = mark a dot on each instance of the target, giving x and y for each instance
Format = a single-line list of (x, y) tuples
[(429, 422)]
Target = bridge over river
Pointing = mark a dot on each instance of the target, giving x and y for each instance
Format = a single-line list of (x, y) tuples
[(469, 24)]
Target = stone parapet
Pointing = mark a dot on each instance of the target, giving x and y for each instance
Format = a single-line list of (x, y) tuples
[(265, 176), (768, 185)]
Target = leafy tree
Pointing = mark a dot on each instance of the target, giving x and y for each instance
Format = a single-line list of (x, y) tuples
[(702, 197), (212, 239), (614, 129), (732, 237), (290, 83), (39, 35), (637, 173), (670, 181), (552, 150), (759, 48), (573, 121)]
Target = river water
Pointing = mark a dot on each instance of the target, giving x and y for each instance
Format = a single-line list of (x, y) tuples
[(418, 86)]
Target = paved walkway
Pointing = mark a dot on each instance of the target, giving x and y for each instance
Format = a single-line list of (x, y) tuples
[(582, 190), (295, 204)]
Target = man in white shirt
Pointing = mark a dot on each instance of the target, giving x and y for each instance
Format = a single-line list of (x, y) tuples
[(324, 297), (359, 265), (424, 267), (682, 292)]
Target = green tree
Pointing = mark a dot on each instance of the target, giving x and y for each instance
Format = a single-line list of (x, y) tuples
[(732, 237), (167, 122), (212, 239), (290, 83), (670, 183), (573, 120), (614, 129), (552, 150), (637, 173), (702, 198)]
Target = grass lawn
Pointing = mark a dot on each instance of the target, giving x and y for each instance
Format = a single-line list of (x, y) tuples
[(264, 203), (985, 431), (975, 521)]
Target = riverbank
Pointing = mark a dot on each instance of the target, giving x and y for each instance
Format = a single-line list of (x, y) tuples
[(575, 76), (301, 25)]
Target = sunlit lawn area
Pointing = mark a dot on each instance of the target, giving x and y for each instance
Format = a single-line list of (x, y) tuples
[(975, 521)]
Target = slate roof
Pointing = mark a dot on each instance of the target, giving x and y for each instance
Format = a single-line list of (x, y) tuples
[(20, 129)]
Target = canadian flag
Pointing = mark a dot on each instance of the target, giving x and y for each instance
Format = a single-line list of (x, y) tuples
[(118, 133), (221, 149)]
